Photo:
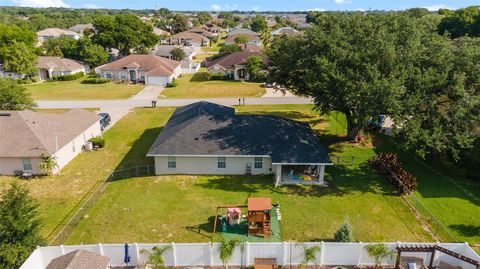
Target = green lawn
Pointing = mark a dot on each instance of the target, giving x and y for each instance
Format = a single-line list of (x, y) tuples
[(181, 208), (197, 86), (59, 194), (75, 90)]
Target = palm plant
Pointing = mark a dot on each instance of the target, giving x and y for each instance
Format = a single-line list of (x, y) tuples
[(378, 252), (155, 256), (265, 37), (48, 163), (227, 248), (309, 253)]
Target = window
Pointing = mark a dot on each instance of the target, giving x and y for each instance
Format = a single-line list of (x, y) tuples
[(171, 162), (258, 163), (27, 164), (222, 163), (108, 75)]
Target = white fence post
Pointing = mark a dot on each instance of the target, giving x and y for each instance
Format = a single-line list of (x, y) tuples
[(284, 253), (247, 254), (100, 248), (137, 253), (62, 248), (174, 254), (360, 254), (322, 251), (211, 253)]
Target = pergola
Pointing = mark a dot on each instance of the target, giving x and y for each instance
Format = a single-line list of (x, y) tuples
[(432, 249)]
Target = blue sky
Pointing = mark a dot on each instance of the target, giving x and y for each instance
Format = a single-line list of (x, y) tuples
[(258, 5)]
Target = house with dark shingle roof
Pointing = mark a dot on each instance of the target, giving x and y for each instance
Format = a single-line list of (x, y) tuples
[(26, 135), (150, 69), (206, 138), (232, 65)]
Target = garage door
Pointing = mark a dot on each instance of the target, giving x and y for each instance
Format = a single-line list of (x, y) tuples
[(157, 80)]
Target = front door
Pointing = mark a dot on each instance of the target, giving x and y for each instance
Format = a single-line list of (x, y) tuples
[(133, 75), (241, 73)]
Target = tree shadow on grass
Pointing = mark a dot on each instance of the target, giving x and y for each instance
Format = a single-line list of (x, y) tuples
[(246, 184), (199, 77), (466, 230)]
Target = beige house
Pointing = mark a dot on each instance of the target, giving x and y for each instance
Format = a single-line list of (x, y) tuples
[(188, 39), (25, 135), (232, 66), (51, 66), (189, 66), (209, 139), (148, 69), (49, 33)]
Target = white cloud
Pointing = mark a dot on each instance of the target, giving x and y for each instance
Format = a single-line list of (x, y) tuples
[(343, 2), (437, 7), (41, 3), (216, 7), (92, 6), (255, 8)]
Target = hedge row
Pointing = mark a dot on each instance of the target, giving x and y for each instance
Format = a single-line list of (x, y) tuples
[(95, 80), (69, 77), (388, 164)]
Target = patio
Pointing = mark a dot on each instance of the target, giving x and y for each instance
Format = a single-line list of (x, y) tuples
[(300, 174)]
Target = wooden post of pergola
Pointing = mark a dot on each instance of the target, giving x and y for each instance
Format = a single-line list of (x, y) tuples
[(432, 249)]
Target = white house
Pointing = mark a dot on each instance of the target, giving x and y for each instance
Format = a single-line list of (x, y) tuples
[(210, 139), (188, 65), (49, 33), (25, 135), (188, 39), (150, 69), (51, 66)]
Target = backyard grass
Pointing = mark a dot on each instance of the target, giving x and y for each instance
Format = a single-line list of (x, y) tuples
[(59, 194), (181, 208), (75, 90), (197, 86)]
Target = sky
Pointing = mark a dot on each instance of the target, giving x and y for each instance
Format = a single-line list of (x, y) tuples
[(256, 5)]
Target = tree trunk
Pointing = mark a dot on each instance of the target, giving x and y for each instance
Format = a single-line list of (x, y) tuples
[(354, 131)]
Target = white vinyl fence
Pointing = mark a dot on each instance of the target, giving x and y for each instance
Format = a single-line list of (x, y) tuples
[(286, 253)]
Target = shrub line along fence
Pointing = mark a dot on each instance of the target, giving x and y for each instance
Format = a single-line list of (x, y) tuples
[(286, 253), (61, 232)]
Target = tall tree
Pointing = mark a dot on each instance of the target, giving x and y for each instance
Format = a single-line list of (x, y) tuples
[(465, 21), (14, 96), (347, 63), (203, 17), (19, 226), (20, 58), (81, 50), (254, 65), (179, 23), (178, 54), (241, 39), (125, 32), (258, 24)]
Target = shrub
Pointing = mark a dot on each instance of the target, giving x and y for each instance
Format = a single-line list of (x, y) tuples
[(69, 77), (216, 77), (23, 81), (344, 233), (97, 141), (95, 81), (173, 84), (388, 163), (35, 79)]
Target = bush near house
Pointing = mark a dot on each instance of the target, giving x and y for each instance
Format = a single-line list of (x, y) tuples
[(173, 84), (388, 163), (217, 77), (95, 81), (69, 77), (97, 141)]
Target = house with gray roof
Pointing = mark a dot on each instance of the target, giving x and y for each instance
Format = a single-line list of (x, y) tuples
[(80, 259), (211, 139), (26, 135)]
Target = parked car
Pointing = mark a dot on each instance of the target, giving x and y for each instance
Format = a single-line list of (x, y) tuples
[(104, 120)]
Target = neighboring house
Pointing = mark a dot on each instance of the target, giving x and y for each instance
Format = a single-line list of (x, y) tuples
[(286, 31), (252, 39), (160, 32), (25, 135), (80, 259), (49, 33), (209, 139), (188, 65), (201, 31), (232, 65), (148, 69), (51, 66), (242, 31), (80, 28), (188, 39)]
